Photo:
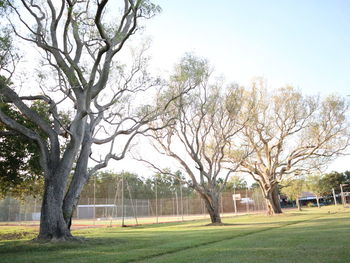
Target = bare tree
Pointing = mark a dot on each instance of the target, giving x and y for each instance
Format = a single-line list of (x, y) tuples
[(289, 133), (79, 41), (201, 131)]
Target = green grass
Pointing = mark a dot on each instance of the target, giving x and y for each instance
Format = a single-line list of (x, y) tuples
[(313, 235), (130, 221)]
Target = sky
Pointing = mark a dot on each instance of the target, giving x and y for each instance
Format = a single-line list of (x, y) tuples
[(301, 43), (304, 43)]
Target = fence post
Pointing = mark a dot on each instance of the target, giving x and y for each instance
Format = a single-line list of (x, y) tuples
[(177, 203), (123, 200), (9, 210), (94, 199), (342, 194), (247, 198), (221, 204), (335, 199), (156, 202), (182, 204), (234, 199)]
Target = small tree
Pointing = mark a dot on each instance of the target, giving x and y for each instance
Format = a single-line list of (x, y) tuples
[(293, 189), (314, 185)]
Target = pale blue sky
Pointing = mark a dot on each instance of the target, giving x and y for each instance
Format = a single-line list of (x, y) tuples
[(305, 43)]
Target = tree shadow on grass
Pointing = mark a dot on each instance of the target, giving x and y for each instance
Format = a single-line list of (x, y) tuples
[(137, 243)]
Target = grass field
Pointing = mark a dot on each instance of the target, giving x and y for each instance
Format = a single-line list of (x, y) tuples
[(78, 223), (313, 235)]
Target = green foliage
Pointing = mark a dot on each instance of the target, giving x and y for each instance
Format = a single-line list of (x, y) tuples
[(107, 183), (293, 188), (20, 171), (6, 46), (149, 9), (255, 185), (333, 180), (314, 184), (237, 182), (310, 204), (4, 5), (167, 185), (191, 71)]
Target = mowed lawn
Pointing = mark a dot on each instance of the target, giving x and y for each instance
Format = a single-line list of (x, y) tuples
[(313, 235)]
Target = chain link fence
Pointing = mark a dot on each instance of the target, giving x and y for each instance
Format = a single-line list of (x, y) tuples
[(173, 207), (13, 210), (128, 204), (121, 208)]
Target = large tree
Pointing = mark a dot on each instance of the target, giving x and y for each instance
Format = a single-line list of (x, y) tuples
[(79, 42), (203, 125), (289, 133)]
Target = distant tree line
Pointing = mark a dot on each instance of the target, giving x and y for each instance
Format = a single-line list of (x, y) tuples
[(104, 185)]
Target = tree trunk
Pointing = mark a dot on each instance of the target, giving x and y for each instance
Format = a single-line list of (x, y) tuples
[(52, 224), (272, 201), (318, 201), (79, 179), (212, 205), (298, 204), (72, 197)]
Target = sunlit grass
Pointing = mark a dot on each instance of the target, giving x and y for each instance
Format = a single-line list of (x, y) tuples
[(313, 235)]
